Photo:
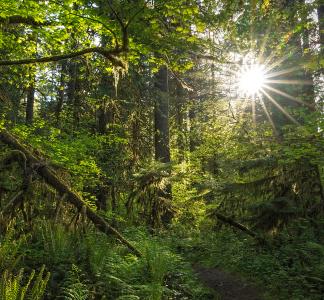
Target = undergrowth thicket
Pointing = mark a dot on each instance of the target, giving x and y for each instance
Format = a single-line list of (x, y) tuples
[(91, 266)]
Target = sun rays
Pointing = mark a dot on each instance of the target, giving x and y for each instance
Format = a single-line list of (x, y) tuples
[(258, 81), (251, 80)]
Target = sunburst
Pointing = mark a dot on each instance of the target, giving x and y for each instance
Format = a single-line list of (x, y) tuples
[(251, 79), (255, 81)]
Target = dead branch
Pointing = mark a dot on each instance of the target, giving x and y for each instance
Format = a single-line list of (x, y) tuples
[(16, 199)]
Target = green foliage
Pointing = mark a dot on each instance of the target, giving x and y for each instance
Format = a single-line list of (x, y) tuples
[(10, 250), (39, 285), (73, 287), (95, 123), (92, 266), (290, 267), (127, 276), (13, 288), (57, 243), (75, 154), (149, 194)]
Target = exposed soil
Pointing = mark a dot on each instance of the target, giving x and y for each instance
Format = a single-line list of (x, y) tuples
[(228, 286)]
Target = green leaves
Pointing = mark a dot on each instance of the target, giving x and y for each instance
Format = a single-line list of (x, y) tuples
[(12, 287)]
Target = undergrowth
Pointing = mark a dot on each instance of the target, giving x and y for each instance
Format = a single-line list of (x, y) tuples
[(289, 267), (93, 266)]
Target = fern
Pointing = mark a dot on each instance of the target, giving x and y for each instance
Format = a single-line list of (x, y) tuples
[(12, 288), (57, 242), (9, 249), (74, 287), (10, 285), (39, 286)]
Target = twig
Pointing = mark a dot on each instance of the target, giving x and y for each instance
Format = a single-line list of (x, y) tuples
[(13, 202), (100, 22)]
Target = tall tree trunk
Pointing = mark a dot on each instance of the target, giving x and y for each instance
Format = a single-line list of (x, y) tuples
[(60, 93), (73, 91), (181, 143), (30, 104), (320, 14), (191, 123), (161, 133), (161, 117)]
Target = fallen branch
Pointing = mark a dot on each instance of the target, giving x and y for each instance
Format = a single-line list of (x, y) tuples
[(235, 224), (16, 199), (57, 183)]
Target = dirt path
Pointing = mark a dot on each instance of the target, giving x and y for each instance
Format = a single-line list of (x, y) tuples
[(228, 286)]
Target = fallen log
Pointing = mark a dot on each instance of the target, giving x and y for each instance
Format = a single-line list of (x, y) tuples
[(237, 225), (50, 176)]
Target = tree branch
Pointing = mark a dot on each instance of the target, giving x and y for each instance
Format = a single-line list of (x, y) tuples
[(16, 19), (120, 21), (108, 54), (100, 22), (131, 19)]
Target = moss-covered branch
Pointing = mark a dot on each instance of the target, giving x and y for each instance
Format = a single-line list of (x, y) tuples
[(56, 182), (111, 55)]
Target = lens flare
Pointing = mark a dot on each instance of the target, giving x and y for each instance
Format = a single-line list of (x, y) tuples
[(251, 80), (254, 80)]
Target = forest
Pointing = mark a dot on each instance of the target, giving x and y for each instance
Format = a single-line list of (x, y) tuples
[(162, 149)]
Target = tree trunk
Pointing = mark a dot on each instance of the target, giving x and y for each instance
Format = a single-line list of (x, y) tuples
[(73, 91), (161, 131), (237, 225), (60, 94), (320, 13), (161, 117), (30, 104), (181, 141)]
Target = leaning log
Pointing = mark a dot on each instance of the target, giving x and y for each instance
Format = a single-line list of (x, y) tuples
[(237, 225), (50, 176)]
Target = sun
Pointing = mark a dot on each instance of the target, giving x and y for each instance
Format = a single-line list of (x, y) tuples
[(255, 79), (251, 80)]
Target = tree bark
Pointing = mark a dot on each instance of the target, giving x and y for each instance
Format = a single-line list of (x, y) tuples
[(60, 94), (73, 198), (320, 13), (161, 132), (181, 142), (30, 104), (161, 117)]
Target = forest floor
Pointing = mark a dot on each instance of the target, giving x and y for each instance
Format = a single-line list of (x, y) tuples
[(226, 285)]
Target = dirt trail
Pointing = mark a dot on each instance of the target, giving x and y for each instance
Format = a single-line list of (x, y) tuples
[(228, 286)]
